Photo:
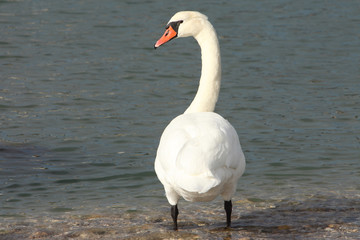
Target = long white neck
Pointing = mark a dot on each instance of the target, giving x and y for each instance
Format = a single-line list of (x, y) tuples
[(209, 86)]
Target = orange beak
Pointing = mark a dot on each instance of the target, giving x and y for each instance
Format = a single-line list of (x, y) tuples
[(169, 34)]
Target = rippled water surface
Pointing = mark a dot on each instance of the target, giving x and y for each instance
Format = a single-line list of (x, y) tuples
[(84, 99)]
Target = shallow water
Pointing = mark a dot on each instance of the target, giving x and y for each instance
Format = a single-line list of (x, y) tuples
[(84, 99)]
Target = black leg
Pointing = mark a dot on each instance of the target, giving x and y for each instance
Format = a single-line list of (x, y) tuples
[(174, 215), (228, 210)]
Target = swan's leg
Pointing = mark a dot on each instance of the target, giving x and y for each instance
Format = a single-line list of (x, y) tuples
[(228, 210), (174, 215)]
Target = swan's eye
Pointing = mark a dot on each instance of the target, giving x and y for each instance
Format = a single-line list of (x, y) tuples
[(174, 25)]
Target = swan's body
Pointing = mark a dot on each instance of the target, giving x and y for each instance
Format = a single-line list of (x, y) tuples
[(199, 156)]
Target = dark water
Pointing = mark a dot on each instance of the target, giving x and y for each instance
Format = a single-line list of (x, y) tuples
[(84, 99)]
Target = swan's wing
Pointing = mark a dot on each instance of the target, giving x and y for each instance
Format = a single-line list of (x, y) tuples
[(198, 151), (211, 157)]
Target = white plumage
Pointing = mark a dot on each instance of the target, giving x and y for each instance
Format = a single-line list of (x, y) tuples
[(199, 156)]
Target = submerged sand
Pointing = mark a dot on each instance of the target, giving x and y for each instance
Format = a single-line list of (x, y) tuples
[(320, 218)]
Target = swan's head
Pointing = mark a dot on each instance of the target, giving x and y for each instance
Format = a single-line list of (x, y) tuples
[(182, 24)]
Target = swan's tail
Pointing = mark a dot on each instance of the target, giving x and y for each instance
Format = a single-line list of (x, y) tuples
[(204, 182), (197, 184)]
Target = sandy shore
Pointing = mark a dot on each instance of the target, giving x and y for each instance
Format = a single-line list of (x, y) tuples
[(320, 218)]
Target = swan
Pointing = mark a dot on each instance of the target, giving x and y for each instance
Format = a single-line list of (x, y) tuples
[(199, 155)]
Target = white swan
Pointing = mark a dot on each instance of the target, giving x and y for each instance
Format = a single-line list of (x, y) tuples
[(199, 156)]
